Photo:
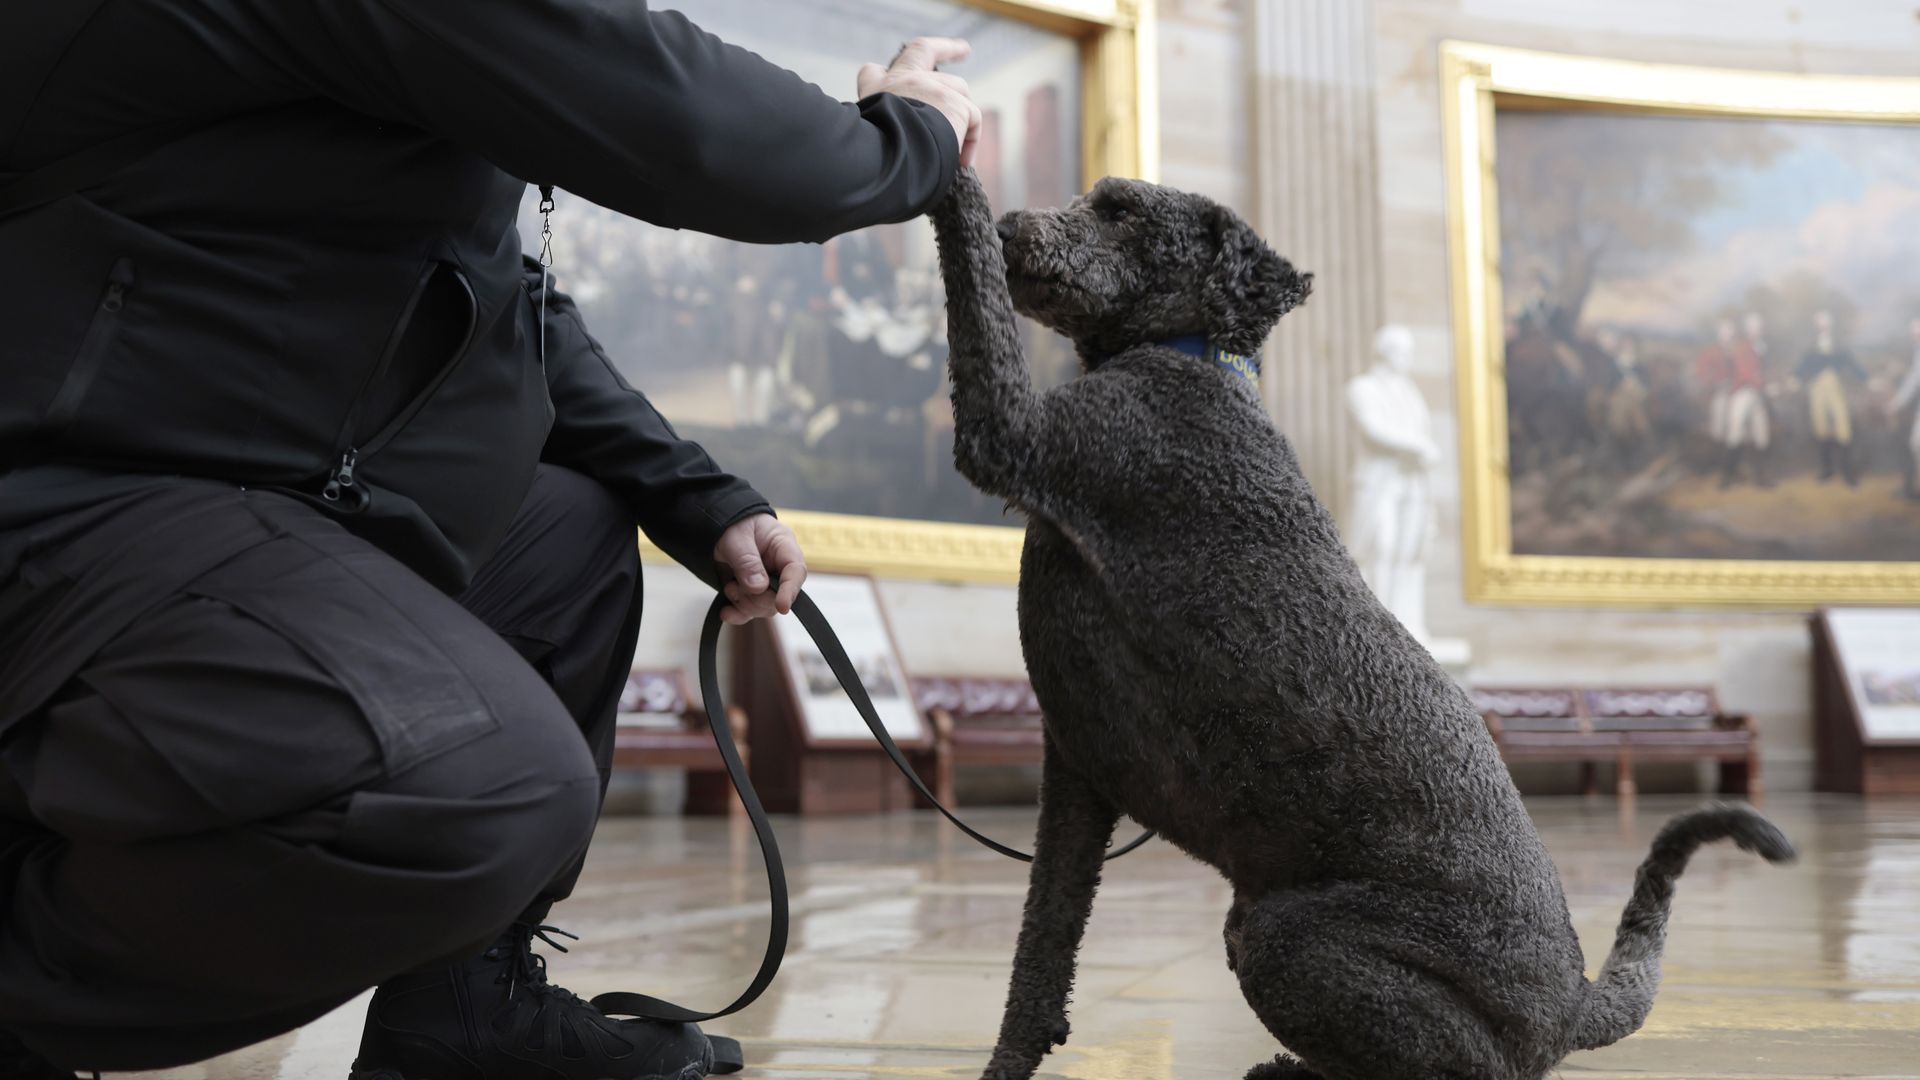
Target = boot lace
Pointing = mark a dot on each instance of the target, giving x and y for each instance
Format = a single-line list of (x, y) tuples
[(526, 970)]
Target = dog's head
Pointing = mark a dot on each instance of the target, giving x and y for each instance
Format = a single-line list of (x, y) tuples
[(1132, 262)]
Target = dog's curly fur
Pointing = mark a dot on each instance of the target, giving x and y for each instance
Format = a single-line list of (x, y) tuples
[(1212, 665)]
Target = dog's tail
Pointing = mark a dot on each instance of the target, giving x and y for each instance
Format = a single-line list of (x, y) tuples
[(1619, 1000)]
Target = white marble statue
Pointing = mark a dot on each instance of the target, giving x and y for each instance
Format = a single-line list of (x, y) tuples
[(1390, 508)]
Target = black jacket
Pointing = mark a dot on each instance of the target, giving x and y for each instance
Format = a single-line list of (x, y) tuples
[(322, 270)]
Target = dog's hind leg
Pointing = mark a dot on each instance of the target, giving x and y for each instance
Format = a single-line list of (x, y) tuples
[(1327, 981), (995, 408), (1075, 825)]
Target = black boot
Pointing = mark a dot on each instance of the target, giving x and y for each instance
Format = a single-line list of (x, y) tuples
[(1730, 467), (1844, 451), (496, 1017), (1826, 459), (19, 1063)]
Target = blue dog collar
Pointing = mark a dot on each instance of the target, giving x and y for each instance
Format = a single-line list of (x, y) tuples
[(1197, 345)]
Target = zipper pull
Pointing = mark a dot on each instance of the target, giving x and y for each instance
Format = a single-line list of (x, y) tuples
[(118, 281), (342, 479)]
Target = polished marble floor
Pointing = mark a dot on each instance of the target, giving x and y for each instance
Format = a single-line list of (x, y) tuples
[(903, 933)]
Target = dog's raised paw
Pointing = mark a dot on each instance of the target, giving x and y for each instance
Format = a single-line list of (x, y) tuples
[(1060, 1032)]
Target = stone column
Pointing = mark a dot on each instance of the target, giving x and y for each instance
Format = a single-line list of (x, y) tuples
[(1317, 202)]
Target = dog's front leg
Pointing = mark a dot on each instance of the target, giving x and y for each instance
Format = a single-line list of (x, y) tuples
[(995, 407), (1075, 825)]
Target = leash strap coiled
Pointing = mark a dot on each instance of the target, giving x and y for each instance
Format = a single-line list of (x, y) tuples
[(817, 627)]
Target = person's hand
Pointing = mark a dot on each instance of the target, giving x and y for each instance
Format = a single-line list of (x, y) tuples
[(912, 75), (746, 552)]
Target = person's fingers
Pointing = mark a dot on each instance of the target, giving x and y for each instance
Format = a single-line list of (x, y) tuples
[(757, 606), (951, 82), (740, 552), (785, 554), (732, 617), (869, 79), (972, 138), (926, 53), (781, 551), (790, 589)]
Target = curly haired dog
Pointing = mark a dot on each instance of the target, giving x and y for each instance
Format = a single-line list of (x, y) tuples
[(1212, 665)]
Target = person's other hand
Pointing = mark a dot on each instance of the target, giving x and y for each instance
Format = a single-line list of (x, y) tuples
[(912, 75), (746, 552)]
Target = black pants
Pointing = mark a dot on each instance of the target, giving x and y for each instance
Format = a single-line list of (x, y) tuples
[(292, 773)]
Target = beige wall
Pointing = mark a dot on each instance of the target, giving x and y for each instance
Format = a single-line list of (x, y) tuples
[(1760, 661)]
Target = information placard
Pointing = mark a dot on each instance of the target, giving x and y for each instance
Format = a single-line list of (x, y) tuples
[(1879, 651), (852, 605)]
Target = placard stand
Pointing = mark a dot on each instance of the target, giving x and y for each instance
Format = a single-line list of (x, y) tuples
[(1866, 741)]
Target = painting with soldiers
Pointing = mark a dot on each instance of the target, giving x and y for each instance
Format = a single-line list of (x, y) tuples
[(1712, 343)]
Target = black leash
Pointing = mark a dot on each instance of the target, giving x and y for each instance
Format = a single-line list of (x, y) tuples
[(817, 627)]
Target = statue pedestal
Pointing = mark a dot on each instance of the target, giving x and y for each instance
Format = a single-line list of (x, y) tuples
[(1454, 654)]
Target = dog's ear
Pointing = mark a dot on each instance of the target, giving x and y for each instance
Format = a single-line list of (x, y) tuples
[(1249, 286)]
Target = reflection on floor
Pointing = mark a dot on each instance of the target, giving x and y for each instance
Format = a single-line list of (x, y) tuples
[(903, 932)]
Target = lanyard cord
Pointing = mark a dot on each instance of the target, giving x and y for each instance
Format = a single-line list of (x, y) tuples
[(546, 260)]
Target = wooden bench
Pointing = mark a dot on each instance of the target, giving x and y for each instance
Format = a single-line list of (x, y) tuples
[(660, 727), (1625, 726), (978, 721)]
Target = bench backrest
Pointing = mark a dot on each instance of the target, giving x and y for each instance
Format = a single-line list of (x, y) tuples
[(967, 697), (1544, 708), (651, 692), (1531, 708), (1661, 708)]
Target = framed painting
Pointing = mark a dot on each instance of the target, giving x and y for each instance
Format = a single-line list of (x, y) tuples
[(818, 372), (1687, 330)]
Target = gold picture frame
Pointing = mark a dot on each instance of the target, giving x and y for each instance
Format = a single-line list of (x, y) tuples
[(1119, 137), (1477, 78)]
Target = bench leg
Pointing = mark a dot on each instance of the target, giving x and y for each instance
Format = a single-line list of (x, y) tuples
[(943, 756), (1589, 779), (1623, 784), (1734, 779), (1742, 777), (737, 724)]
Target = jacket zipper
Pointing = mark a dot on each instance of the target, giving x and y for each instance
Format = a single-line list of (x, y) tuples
[(93, 347), (340, 481), (341, 486)]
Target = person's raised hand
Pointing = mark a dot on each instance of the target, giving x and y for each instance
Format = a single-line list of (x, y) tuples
[(913, 75)]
